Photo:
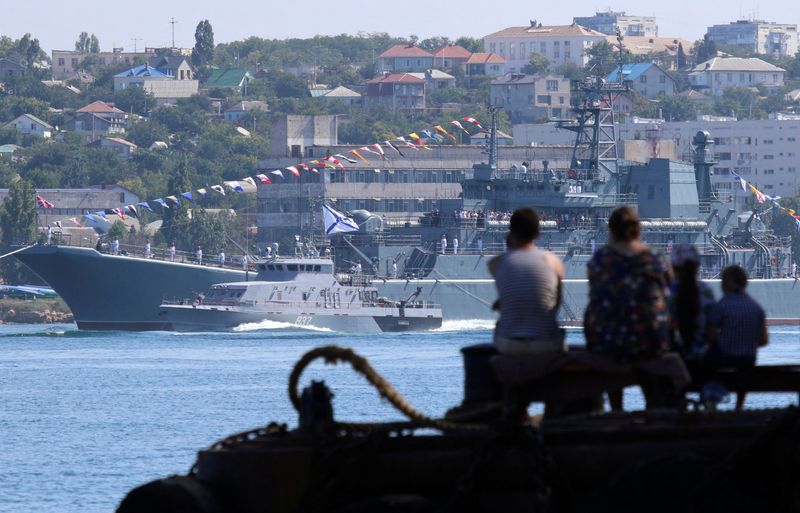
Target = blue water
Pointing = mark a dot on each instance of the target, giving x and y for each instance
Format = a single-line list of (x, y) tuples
[(84, 417)]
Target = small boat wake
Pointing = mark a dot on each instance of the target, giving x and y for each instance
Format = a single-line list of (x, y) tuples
[(276, 325), (466, 325)]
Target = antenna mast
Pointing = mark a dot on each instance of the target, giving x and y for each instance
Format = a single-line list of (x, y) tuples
[(173, 21)]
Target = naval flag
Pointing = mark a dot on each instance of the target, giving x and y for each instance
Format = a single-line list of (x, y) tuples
[(336, 222)]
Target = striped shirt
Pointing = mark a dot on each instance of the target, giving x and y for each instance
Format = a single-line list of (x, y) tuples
[(528, 290), (741, 323)]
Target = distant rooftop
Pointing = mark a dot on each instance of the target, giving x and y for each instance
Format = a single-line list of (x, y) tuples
[(407, 50), (736, 64), (547, 31)]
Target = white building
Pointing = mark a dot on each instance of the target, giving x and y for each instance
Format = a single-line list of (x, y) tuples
[(559, 43), (28, 124), (719, 73), (760, 37), (763, 152), (608, 22)]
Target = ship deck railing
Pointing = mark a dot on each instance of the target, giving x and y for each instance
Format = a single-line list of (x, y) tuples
[(159, 253), (279, 305)]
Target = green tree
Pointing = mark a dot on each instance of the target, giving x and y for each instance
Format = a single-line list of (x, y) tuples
[(434, 43), (288, 85), (18, 220), (681, 57), (538, 64), (209, 230), (704, 50), (134, 100), (604, 58), (87, 44), (18, 217), (203, 51), (572, 71), (470, 43), (29, 49), (176, 218), (117, 231)]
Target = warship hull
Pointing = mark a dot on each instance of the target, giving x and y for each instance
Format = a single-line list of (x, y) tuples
[(108, 292), (200, 318)]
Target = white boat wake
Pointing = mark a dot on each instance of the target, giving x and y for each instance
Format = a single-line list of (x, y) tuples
[(467, 325), (276, 325)]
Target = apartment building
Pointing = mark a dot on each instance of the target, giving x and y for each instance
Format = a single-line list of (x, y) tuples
[(764, 152), (760, 37), (719, 73), (559, 43), (67, 62), (531, 97), (609, 22)]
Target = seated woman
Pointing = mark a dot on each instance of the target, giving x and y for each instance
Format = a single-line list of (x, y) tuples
[(691, 303), (627, 318)]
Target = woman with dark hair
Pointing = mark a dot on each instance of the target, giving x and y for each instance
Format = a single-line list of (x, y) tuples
[(627, 317), (691, 303)]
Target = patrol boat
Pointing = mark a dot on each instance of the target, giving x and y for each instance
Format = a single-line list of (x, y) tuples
[(302, 292)]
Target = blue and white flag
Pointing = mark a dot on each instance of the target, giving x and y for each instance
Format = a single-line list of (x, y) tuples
[(145, 205), (236, 186), (101, 214), (161, 202), (336, 222), (740, 180), (187, 195), (219, 189)]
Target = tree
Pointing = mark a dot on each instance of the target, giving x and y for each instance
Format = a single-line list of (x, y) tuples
[(203, 51), (470, 43), (135, 100), (538, 64), (434, 43), (29, 49), (87, 43), (704, 50), (19, 220), (176, 218), (681, 57), (604, 58)]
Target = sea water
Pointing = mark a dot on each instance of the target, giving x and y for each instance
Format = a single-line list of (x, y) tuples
[(86, 416)]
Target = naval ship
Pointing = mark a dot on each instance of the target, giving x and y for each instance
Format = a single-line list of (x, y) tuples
[(303, 292), (675, 200)]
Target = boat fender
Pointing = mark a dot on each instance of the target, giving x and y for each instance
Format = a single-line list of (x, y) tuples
[(172, 495)]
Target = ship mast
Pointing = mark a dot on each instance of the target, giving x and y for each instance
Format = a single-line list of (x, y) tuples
[(594, 153)]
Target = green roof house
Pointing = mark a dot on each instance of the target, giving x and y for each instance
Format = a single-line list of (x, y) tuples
[(236, 79)]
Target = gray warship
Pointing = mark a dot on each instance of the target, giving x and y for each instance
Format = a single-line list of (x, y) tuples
[(675, 200), (301, 292)]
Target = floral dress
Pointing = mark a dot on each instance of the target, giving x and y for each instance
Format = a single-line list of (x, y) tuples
[(628, 312)]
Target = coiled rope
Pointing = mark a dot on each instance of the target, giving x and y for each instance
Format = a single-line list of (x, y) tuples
[(336, 354)]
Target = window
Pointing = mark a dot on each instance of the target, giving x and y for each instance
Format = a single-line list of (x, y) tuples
[(522, 49), (769, 157), (769, 171), (643, 79), (493, 47), (60, 61), (725, 155), (566, 43), (791, 139), (74, 61), (543, 98), (561, 100), (543, 47), (767, 141), (552, 85)]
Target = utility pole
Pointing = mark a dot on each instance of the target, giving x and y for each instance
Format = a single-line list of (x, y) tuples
[(135, 40), (173, 21)]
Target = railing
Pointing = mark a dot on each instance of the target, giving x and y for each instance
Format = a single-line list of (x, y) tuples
[(134, 251), (279, 305)]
